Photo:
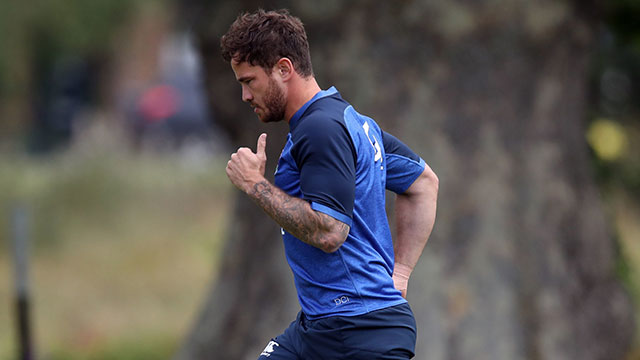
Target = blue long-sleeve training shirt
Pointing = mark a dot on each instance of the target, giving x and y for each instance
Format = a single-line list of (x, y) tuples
[(342, 162)]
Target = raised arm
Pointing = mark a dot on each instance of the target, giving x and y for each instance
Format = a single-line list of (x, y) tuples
[(295, 215), (415, 215)]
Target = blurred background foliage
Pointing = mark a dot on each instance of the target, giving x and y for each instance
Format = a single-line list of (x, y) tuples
[(615, 109), (614, 133), (123, 240), (121, 250), (125, 234), (36, 35)]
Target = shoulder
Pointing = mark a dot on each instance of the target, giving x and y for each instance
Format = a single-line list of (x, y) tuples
[(324, 119), (322, 133)]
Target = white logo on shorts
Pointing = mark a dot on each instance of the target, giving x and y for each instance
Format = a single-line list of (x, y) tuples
[(269, 349)]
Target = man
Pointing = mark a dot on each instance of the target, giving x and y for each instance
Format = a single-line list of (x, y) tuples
[(329, 199)]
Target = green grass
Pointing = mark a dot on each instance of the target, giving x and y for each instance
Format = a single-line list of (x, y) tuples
[(123, 249)]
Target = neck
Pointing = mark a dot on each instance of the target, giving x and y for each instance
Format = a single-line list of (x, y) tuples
[(300, 91)]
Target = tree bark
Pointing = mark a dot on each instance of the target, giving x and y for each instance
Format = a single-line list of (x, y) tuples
[(521, 262)]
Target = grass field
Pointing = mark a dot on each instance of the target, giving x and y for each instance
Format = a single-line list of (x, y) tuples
[(123, 248)]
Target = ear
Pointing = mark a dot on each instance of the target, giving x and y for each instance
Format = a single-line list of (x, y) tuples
[(284, 69)]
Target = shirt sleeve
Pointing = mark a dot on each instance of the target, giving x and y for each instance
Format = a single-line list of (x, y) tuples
[(325, 156), (403, 165)]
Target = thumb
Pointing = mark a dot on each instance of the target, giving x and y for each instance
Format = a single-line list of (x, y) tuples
[(262, 145)]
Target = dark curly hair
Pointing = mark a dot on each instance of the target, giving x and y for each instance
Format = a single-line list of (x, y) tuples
[(264, 37)]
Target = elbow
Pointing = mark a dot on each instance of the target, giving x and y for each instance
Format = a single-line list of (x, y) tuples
[(332, 243), (333, 240), (331, 235), (331, 249)]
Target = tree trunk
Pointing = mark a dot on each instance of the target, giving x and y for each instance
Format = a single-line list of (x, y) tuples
[(521, 262), (253, 297)]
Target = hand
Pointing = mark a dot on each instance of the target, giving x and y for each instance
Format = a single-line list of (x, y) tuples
[(246, 168), (401, 274)]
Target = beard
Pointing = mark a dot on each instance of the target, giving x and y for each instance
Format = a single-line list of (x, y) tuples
[(274, 103)]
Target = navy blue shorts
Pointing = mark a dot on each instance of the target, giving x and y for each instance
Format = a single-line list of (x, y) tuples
[(388, 333)]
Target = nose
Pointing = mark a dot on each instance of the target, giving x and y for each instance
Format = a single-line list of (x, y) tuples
[(246, 94)]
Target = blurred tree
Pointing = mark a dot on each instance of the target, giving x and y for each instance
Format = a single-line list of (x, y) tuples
[(494, 97), (615, 97), (52, 56), (614, 136)]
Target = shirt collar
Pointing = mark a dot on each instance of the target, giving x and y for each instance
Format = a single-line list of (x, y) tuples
[(319, 95)]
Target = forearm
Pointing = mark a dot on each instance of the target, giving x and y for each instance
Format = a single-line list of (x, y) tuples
[(245, 169), (296, 216), (415, 217)]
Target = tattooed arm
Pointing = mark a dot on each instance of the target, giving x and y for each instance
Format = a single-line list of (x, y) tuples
[(295, 215)]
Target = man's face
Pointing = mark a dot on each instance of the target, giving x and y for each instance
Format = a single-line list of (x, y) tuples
[(261, 90)]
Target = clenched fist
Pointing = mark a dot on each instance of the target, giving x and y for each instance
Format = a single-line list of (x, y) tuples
[(246, 168)]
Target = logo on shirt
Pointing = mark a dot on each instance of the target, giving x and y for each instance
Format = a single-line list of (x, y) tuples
[(341, 300), (374, 142), (269, 349)]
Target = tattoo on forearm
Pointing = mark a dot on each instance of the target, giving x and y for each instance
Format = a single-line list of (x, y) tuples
[(262, 189), (296, 216)]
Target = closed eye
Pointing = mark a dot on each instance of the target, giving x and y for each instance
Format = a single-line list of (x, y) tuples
[(245, 80)]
